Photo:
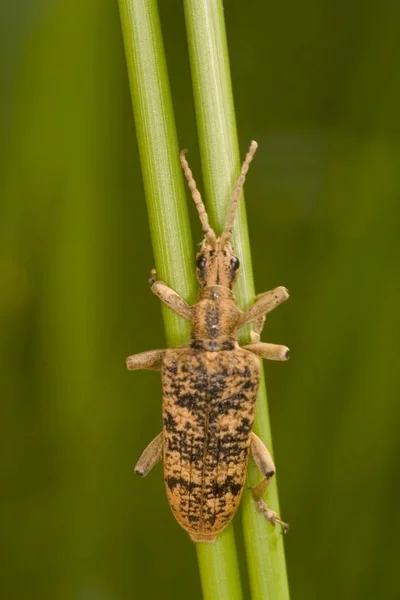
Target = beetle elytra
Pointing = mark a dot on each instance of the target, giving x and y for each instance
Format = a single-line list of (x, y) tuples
[(210, 387)]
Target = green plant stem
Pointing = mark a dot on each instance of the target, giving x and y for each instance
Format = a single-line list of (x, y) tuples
[(169, 223), (158, 151), (220, 165)]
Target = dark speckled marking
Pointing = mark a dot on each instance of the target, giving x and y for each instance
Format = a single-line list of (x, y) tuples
[(169, 421), (212, 319), (209, 406), (172, 368)]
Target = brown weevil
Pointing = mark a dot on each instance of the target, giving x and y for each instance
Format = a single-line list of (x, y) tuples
[(210, 387)]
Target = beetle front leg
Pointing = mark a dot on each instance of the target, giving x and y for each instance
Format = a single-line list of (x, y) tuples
[(269, 351), (145, 360), (263, 305), (169, 297), (150, 456), (266, 466)]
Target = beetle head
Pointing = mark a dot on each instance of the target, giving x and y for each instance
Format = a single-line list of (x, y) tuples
[(215, 263)]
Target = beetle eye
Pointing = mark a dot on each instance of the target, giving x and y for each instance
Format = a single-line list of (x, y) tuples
[(201, 263), (235, 263)]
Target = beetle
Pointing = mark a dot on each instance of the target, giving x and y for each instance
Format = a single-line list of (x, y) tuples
[(210, 387)]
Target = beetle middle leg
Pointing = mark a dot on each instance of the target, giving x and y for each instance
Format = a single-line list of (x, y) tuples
[(145, 360), (258, 326), (169, 297), (150, 456), (269, 351), (266, 466)]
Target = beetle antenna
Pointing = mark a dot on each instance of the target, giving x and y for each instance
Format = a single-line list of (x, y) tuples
[(201, 209), (237, 191)]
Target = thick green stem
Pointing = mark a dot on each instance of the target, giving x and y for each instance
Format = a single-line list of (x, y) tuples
[(169, 223), (220, 163)]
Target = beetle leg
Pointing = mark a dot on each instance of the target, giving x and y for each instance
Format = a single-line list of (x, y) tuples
[(145, 360), (266, 466), (269, 351), (170, 297), (262, 306), (150, 456), (258, 326)]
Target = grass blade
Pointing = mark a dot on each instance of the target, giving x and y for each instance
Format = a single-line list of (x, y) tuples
[(220, 164), (169, 223)]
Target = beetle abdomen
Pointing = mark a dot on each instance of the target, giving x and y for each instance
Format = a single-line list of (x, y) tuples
[(208, 414)]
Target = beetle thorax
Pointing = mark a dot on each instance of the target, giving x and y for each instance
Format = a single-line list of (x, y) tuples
[(216, 314), (215, 320)]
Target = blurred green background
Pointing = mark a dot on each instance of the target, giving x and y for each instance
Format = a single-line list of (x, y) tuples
[(317, 84)]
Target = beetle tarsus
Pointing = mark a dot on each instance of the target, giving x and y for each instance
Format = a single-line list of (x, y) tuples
[(271, 516)]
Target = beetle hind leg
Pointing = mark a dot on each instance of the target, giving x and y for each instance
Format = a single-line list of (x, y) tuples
[(266, 466), (263, 508), (150, 456)]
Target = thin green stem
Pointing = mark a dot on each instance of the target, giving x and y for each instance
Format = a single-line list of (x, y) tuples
[(220, 164), (169, 223), (219, 569), (159, 155)]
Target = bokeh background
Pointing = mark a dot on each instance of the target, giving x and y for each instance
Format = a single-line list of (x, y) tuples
[(318, 85)]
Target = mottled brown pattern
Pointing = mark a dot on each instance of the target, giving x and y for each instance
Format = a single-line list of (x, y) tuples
[(210, 387), (208, 413)]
